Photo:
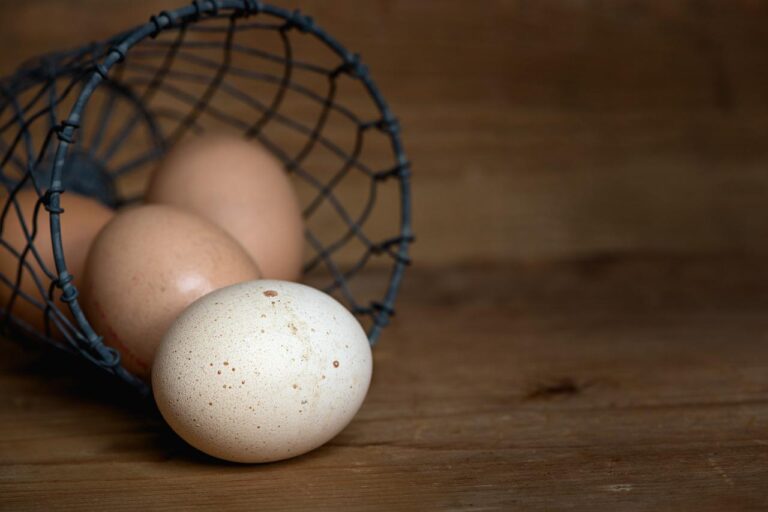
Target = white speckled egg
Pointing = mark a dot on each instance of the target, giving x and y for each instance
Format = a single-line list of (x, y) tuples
[(262, 371)]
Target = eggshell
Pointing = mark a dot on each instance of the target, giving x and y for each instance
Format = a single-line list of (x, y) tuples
[(81, 221), (145, 267), (240, 186), (262, 371)]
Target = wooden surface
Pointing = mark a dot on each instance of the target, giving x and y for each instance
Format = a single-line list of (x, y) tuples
[(544, 129), (598, 385), (585, 326)]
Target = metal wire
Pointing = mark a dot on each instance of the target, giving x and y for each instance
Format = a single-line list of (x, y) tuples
[(161, 81)]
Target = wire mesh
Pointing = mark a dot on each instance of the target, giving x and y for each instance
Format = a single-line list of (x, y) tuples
[(97, 120)]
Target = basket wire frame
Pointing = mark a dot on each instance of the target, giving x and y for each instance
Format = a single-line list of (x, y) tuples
[(56, 90)]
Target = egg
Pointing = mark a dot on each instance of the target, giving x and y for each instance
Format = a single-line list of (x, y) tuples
[(262, 371), (147, 265), (240, 186), (81, 221)]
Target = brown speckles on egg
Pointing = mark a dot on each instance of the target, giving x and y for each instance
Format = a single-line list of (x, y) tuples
[(286, 384), (270, 293), (218, 372)]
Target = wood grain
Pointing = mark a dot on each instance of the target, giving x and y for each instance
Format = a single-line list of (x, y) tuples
[(540, 130), (584, 328), (612, 384)]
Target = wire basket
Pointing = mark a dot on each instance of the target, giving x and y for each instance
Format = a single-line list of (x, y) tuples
[(98, 119)]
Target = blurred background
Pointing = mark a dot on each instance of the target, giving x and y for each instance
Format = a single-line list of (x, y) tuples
[(544, 130)]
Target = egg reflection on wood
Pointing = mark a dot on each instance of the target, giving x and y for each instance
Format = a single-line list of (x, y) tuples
[(146, 266), (240, 186), (80, 222)]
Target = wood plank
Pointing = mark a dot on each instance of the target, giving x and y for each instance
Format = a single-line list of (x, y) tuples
[(607, 384), (542, 130)]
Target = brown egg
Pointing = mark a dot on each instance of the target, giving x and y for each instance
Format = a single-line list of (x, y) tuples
[(146, 266), (81, 221), (240, 186)]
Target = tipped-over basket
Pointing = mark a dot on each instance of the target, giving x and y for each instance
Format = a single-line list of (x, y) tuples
[(96, 121)]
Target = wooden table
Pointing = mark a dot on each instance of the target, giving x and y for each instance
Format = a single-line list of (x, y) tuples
[(585, 326), (598, 385)]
